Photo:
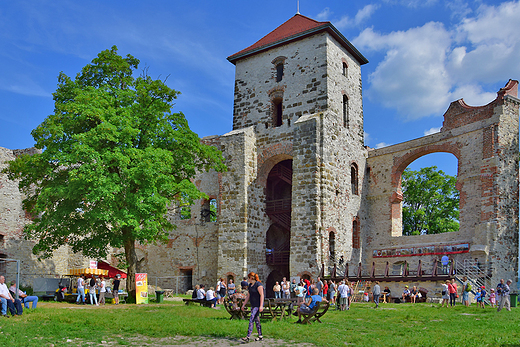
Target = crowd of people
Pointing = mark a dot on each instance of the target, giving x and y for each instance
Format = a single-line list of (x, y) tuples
[(96, 285)]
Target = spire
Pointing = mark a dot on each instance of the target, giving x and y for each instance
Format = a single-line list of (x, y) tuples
[(298, 7)]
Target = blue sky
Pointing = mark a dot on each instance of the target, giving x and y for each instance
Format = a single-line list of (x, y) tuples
[(423, 54)]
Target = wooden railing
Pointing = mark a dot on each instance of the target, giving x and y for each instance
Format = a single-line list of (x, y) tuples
[(277, 257)]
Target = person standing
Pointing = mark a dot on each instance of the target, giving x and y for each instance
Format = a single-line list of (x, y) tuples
[(376, 292), (102, 290), (319, 285), (332, 292), (445, 293), (500, 287), (81, 290), (222, 292), (24, 298), (286, 288), (343, 290), (300, 293), (92, 291), (276, 290), (117, 282), (294, 285), (231, 287), (256, 297), (452, 288), (504, 297), (466, 288)]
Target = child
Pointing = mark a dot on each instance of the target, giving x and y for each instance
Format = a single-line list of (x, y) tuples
[(492, 298), (365, 297), (482, 297), (478, 297)]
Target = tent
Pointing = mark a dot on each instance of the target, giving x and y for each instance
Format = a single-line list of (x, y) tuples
[(112, 271)]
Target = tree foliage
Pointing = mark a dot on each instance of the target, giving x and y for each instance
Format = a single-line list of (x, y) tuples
[(431, 202), (113, 158)]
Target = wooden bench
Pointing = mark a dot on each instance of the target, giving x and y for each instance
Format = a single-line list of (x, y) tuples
[(201, 302), (319, 310), (273, 309)]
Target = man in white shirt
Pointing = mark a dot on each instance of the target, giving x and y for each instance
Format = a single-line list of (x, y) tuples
[(102, 290), (7, 301), (343, 291), (201, 293)]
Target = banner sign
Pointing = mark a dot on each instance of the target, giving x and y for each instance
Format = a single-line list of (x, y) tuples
[(141, 288), (93, 264), (424, 250)]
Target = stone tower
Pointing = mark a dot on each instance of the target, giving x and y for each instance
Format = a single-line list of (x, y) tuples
[(291, 198)]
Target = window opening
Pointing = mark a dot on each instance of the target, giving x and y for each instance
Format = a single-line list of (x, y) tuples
[(345, 68), (332, 247), (278, 121), (355, 234), (345, 111), (279, 72), (354, 179)]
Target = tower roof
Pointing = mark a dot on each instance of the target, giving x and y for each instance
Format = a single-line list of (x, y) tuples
[(294, 29)]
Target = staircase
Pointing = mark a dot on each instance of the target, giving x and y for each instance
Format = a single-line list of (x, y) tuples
[(478, 274)]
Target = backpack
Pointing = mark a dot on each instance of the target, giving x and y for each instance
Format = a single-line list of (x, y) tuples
[(468, 287)]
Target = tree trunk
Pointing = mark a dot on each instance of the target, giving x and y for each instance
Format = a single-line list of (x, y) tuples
[(131, 260)]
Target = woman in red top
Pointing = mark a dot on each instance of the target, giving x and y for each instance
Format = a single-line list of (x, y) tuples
[(325, 289), (452, 288)]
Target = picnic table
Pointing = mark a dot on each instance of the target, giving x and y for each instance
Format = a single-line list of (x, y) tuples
[(273, 308)]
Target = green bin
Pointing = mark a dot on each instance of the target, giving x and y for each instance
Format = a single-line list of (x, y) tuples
[(514, 299), (159, 296)]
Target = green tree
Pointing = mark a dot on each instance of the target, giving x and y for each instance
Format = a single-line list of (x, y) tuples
[(431, 202), (113, 158)]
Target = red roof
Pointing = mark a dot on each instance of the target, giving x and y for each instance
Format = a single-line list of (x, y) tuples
[(296, 28), (112, 271)]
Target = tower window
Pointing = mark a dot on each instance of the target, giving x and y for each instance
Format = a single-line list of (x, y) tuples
[(354, 179), (279, 72), (355, 234), (277, 112), (345, 69), (345, 111)]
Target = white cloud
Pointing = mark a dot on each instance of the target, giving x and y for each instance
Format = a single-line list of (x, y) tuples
[(323, 15), (427, 67), (412, 77), (367, 138), (432, 131), (381, 145), (361, 16)]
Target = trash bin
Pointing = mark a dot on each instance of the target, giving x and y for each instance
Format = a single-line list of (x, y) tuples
[(159, 296), (514, 299)]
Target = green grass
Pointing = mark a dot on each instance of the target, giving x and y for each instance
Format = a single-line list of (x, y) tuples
[(393, 325)]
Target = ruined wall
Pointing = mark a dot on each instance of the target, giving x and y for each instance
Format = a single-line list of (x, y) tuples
[(485, 142), (12, 242)]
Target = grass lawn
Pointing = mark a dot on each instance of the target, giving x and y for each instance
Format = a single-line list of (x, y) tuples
[(61, 324)]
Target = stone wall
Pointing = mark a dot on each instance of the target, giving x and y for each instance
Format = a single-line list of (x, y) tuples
[(485, 142)]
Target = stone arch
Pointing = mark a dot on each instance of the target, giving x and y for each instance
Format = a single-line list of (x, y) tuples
[(401, 163), (271, 156)]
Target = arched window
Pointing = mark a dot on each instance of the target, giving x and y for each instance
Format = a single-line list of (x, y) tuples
[(332, 247), (345, 111), (345, 69), (354, 179), (208, 212), (355, 234)]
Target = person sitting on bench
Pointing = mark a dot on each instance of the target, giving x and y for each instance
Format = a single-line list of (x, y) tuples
[(406, 293), (307, 308)]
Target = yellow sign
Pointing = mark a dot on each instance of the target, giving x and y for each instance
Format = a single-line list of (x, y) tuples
[(141, 288)]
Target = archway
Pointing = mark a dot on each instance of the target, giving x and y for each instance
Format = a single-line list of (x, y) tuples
[(278, 208)]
